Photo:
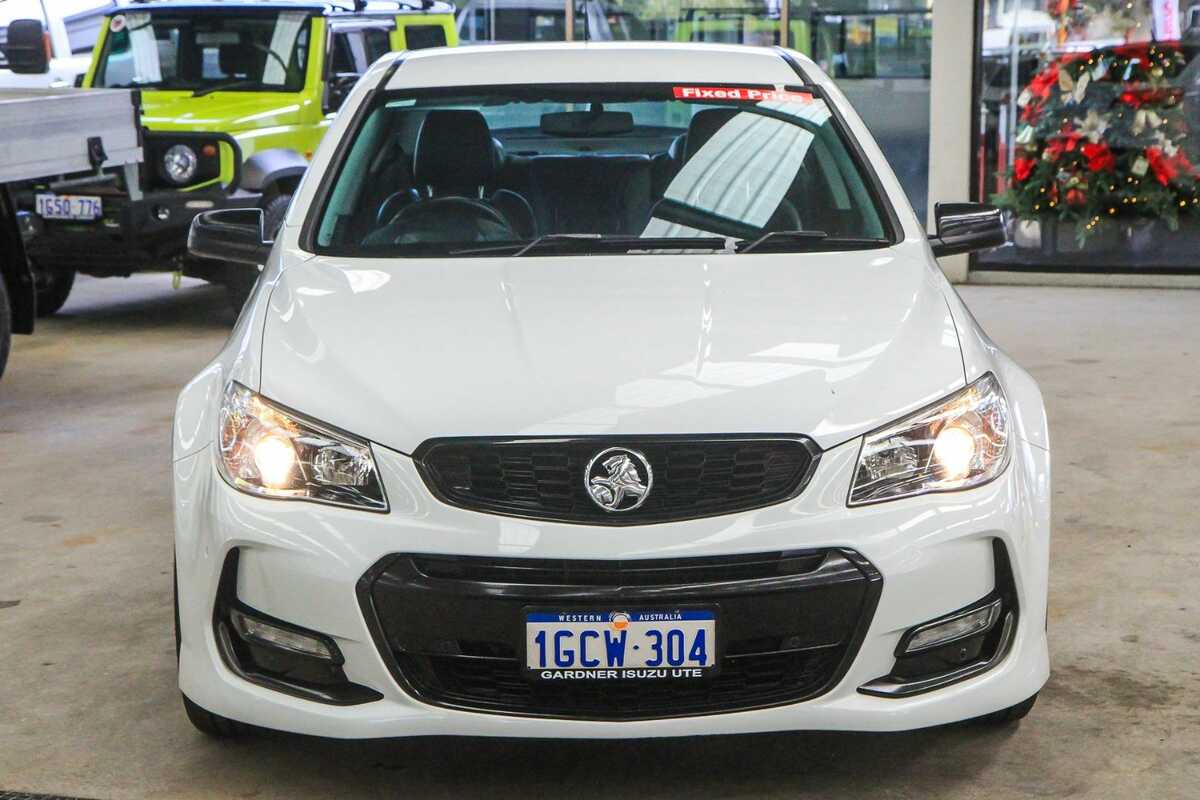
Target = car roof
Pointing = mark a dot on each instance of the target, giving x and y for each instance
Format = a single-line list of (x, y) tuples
[(599, 62), (326, 8)]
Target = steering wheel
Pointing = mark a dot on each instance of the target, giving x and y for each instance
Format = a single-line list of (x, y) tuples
[(446, 219)]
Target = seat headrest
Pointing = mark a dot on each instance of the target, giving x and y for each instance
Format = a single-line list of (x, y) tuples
[(454, 151), (704, 124), (237, 59)]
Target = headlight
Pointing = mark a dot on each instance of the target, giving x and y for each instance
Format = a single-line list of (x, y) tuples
[(266, 450), (180, 163), (959, 443)]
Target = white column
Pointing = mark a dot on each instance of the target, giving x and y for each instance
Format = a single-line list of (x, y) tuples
[(950, 105)]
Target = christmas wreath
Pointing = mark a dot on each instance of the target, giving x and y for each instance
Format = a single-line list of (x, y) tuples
[(1100, 139)]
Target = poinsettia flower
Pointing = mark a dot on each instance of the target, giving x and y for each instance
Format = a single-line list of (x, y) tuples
[(1023, 168), (1042, 82), (1100, 157), (1165, 168)]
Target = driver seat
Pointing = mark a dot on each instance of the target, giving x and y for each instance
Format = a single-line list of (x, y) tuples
[(455, 156)]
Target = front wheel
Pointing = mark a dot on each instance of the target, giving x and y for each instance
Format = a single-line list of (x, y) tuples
[(5, 326), (211, 724), (1010, 715), (241, 277), (53, 286)]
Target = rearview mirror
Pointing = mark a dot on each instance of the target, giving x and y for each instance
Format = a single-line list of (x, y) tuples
[(27, 50), (966, 227), (231, 234)]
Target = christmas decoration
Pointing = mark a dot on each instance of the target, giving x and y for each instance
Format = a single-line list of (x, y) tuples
[(1101, 140)]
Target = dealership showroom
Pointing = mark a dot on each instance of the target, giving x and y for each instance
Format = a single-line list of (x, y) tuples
[(599, 398)]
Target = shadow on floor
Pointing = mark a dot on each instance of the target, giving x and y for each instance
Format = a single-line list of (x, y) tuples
[(756, 765)]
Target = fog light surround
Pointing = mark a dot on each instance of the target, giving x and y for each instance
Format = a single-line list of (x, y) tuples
[(960, 625), (255, 629)]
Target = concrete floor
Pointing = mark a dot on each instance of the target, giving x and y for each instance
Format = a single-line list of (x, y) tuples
[(88, 704)]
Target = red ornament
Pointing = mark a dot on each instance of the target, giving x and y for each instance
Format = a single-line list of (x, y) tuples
[(1076, 197)]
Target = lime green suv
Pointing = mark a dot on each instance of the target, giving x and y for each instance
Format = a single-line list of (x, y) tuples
[(235, 98)]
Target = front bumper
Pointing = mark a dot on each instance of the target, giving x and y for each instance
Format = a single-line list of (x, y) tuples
[(133, 235), (302, 563)]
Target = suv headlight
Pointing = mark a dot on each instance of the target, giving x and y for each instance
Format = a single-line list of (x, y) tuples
[(180, 164), (958, 443), (269, 451)]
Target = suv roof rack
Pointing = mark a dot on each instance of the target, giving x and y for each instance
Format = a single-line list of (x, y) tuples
[(359, 6)]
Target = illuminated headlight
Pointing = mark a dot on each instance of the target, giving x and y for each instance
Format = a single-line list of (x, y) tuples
[(959, 443), (269, 451), (180, 163)]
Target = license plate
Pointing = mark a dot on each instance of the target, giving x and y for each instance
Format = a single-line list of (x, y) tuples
[(620, 645), (69, 206)]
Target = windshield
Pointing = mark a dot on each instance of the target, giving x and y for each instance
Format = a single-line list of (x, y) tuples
[(476, 171), (216, 50)]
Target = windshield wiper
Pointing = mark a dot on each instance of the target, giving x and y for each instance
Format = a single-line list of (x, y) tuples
[(802, 237), (589, 242), (220, 87)]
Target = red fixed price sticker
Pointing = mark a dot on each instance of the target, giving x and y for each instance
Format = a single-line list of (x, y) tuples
[(745, 94)]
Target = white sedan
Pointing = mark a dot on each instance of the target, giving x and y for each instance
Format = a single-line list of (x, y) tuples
[(606, 391)]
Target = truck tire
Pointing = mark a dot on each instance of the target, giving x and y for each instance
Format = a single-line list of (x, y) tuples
[(5, 326), (53, 288), (241, 280)]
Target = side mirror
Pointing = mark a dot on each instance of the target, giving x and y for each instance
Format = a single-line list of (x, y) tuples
[(27, 50), (966, 227), (231, 234)]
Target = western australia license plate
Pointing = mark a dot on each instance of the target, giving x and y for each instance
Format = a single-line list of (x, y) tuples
[(69, 206), (620, 645)]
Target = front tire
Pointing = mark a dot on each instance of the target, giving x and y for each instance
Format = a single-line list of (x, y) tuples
[(206, 722), (5, 326), (53, 286), (211, 724), (1010, 715), (242, 278)]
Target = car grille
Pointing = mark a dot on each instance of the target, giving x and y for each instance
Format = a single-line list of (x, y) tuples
[(450, 628), (545, 478)]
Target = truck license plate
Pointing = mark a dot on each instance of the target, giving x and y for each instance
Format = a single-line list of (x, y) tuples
[(69, 206), (620, 645)]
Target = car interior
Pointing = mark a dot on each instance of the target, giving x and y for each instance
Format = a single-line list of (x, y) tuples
[(445, 175)]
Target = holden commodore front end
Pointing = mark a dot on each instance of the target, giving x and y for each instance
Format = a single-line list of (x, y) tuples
[(606, 391)]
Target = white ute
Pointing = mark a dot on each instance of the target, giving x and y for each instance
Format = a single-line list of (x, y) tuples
[(606, 391)]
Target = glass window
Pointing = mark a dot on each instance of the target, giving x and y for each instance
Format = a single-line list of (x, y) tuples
[(438, 172), (419, 37), (377, 43), (243, 51), (1088, 119), (341, 55), (880, 55)]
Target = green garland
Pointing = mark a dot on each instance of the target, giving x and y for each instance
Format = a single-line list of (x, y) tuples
[(1100, 139)]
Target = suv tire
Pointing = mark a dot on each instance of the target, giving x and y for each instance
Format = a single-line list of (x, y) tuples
[(242, 278), (53, 288)]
